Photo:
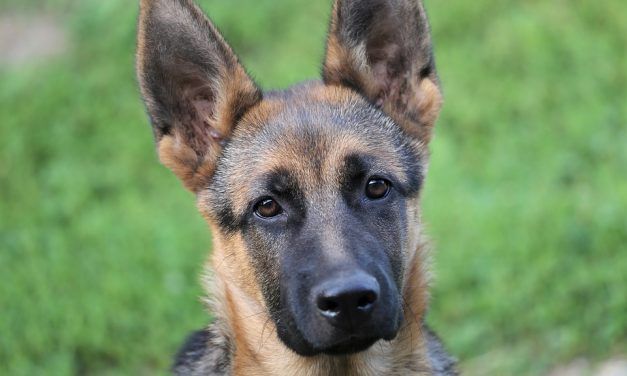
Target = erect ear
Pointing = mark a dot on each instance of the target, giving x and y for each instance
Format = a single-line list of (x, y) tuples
[(382, 48), (194, 88)]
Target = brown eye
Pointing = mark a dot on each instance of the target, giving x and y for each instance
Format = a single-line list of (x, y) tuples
[(377, 188), (267, 208)]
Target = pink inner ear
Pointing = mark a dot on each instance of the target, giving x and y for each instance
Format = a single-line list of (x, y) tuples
[(381, 77), (204, 112), (388, 72)]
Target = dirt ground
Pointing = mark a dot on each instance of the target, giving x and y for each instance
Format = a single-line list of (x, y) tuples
[(582, 367), (26, 39)]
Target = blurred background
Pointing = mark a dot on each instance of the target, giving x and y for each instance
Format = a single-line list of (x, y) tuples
[(526, 200)]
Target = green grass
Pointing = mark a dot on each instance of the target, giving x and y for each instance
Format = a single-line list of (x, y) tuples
[(526, 199)]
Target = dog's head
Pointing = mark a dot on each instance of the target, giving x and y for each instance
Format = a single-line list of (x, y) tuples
[(313, 190)]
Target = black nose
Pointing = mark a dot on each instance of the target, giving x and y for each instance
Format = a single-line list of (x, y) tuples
[(347, 302)]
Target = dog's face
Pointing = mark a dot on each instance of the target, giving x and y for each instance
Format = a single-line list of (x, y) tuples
[(320, 192), (317, 185)]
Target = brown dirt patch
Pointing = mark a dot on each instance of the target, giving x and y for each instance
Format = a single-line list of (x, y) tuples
[(26, 39)]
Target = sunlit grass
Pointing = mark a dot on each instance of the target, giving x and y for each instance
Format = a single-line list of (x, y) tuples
[(526, 199)]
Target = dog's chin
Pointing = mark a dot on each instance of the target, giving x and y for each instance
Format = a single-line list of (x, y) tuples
[(347, 347)]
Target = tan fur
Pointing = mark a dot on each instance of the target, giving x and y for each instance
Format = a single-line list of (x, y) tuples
[(176, 155), (427, 102)]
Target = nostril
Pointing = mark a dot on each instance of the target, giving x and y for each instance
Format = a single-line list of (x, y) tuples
[(348, 301), (366, 300), (328, 306)]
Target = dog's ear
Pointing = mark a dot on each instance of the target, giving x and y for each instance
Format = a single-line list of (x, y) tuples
[(194, 88), (382, 48)]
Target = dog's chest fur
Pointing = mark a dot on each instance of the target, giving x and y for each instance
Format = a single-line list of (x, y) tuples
[(207, 352)]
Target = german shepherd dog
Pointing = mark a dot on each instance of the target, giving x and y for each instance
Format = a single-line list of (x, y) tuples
[(312, 194)]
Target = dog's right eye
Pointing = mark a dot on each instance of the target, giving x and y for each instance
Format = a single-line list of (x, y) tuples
[(377, 188), (267, 208)]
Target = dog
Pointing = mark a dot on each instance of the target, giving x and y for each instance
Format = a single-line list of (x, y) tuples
[(312, 194)]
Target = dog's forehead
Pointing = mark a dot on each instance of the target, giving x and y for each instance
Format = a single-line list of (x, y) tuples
[(310, 134)]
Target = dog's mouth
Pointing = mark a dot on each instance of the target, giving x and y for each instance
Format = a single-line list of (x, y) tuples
[(345, 343), (350, 346), (337, 342)]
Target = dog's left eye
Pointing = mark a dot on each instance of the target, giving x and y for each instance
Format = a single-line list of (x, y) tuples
[(377, 188), (267, 208)]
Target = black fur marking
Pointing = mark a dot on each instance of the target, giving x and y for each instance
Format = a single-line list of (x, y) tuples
[(205, 352), (359, 17), (442, 364), (357, 167), (193, 349), (429, 68), (225, 216), (351, 84), (284, 184), (354, 172), (413, 171)]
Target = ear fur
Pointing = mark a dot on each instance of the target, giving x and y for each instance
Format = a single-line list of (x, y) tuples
[(193, 85), (383, 49)]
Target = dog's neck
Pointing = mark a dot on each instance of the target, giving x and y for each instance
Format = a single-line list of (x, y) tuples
[(256, 349)]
